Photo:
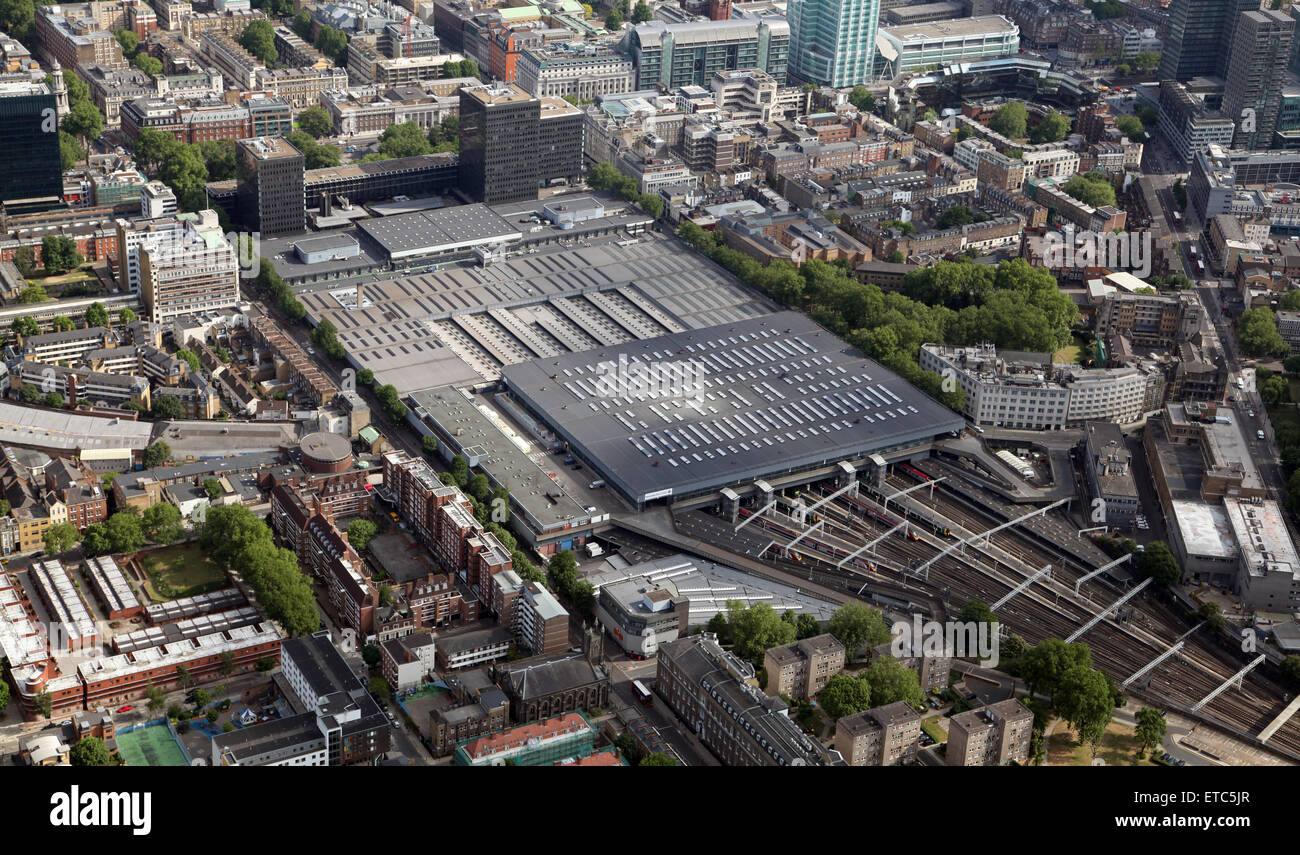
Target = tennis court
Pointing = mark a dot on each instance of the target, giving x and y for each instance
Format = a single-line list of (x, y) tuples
[(150, 746)]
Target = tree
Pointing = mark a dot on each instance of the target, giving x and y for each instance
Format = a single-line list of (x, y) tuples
[(126, 317), (854, 625), (148, 64), (718, 626), (1084, 699), (479, 487), (326, 337), (806, 626), (213, 488), (657, 758), (264, 663), (333, 43), (845, 695), (460, 470), (167, 407), (59, 538), (977, 611), (626, 745), (96, 315), (613, 20), (5, 507), (315, 121), (641, 12), (959, 215), (83, 121), (892, 681), (90, 751), (756, 629), (379, 686), (1053, 128), (44, 703), (404, 139), (227, 663), (1010, 120), (95, 540), (366, 377), (156, 697), (1148, 60), (258, 39), (161, 523), (25, 326), (315, 155), (59, 254), (1257, 333), (126, 531), (183, 677), (1290, 669), (1150, 731), (429, 444), (1092, 189), (302, 25), (190, 358), (129, 41), (4, 696), (360, 533), (201, 698), (1044, 664), (1158, 562), (33, 294), (1132, 127), (862, 99), (1209, 612), (371, 654), (52, 399), (155, 454)]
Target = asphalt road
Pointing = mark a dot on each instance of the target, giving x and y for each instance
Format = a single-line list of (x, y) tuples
[(676, 733)]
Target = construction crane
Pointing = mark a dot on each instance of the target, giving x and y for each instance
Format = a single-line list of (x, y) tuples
[(406, 34)]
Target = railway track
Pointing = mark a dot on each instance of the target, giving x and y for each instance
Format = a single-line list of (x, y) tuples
[(1042, 611)]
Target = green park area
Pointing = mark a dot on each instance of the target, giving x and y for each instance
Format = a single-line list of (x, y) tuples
[(181, 571), (1118, 748)]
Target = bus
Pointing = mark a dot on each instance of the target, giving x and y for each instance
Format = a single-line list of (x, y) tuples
[(642, 693), (1178, 219)]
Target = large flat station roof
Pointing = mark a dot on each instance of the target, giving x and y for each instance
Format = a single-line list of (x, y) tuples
[(765, 396)]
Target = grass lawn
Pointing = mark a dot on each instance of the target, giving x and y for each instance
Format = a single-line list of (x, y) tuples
[(934, 729), (184, 571), (1118, 748)]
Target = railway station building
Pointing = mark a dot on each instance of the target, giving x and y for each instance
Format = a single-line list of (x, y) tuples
[(689, 413)]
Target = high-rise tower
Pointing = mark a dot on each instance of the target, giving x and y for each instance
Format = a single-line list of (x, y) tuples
[(833, 42)]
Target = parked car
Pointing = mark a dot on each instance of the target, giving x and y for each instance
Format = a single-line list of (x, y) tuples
[(126, 708)]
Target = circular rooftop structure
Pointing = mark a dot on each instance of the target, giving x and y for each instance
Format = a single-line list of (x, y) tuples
[(325, 452)]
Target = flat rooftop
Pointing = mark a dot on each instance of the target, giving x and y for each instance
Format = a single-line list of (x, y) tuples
[(460, 323), (954, 29), (269, 148), (1261, 534), (753, 398), (46, 428), (501, 456), (708, 587), (1204, 529), (438, 230)]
